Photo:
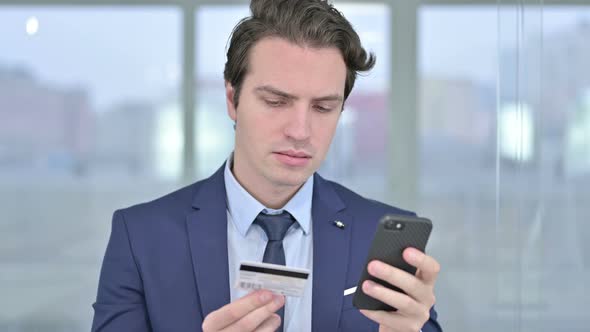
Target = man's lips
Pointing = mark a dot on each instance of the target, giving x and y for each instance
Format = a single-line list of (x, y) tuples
[(293, 158), (294, 154)]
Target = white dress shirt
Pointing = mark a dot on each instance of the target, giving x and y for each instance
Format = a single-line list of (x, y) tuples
[(247, 241)]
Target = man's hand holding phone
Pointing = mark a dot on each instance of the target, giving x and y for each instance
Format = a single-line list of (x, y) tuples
[(413, 308), (253, 312)]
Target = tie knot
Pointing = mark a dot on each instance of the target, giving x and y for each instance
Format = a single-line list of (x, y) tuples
[(275, 225)]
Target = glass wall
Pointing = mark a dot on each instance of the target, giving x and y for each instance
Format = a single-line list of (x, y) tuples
[(503, 163), (89, 122)]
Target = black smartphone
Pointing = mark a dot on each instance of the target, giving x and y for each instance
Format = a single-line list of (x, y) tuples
[(394, 234)]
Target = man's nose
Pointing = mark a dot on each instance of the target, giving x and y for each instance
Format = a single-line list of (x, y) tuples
[(299, 123)]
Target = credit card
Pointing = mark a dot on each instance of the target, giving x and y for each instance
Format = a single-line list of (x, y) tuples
[(280, 279)]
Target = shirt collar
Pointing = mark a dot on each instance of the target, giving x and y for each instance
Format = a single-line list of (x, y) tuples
[(244, 208)]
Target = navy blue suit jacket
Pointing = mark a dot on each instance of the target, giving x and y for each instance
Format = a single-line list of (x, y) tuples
[(166, 265)]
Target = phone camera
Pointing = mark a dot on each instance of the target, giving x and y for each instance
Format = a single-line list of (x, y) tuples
[(394, 225)]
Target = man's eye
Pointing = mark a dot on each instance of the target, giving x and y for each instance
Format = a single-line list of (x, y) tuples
[(322, 109), (274, 103)]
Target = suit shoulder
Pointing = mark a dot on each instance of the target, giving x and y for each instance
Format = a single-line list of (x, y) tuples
[(176, 202)]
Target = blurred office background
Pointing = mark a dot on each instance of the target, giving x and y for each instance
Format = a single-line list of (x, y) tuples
[(477, 115)]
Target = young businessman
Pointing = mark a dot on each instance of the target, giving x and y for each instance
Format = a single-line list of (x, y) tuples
[(171, 264)]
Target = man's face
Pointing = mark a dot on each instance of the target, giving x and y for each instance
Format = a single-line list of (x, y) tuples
[(288, 109)]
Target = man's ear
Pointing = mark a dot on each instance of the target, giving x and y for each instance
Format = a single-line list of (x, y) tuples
[(229, 100)]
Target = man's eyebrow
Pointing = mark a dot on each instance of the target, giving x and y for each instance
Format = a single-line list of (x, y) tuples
[(334, 97), (275, 91)]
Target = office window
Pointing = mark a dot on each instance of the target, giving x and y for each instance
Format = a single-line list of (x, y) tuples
[(214, 133), (457, 79), (89, 122), (503, 155)]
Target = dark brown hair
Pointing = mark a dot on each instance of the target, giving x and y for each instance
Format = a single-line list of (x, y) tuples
[(313, 23)]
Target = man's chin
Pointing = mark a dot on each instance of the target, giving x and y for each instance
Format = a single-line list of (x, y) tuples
[(292, 179)]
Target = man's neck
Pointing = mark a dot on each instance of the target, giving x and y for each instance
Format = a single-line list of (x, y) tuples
[(274, 197)]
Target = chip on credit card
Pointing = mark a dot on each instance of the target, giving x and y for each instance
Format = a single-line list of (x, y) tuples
[(280, 279)]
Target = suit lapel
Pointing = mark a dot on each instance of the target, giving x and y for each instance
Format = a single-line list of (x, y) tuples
[(330, 255), (207, 230)]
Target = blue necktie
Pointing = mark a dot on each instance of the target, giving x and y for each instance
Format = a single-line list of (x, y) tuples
[(275, 227)]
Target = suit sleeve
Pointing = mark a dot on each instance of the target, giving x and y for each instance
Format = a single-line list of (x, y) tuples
[(120, 303), (432, 324)]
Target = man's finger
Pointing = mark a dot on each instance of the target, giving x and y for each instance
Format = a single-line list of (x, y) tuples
[(252, 320), (427, 266), (397, 277), (271, 324), (412, 285), (405, 305), (389, 320), (234, 311)]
